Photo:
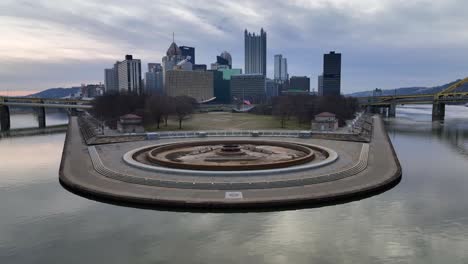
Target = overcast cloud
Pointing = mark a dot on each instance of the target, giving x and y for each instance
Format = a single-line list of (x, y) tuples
[(385, 43)]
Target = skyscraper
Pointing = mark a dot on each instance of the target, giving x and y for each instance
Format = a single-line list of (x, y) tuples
[(173, 56), (281, 68), (154, 79), (188, 51), (255, 52), (331, 74), (111, 81), (129, 75)]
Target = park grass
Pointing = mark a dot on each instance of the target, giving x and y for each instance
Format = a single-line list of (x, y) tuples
[(227, 121)]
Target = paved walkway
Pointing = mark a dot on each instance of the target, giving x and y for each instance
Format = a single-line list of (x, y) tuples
[(77, 172)]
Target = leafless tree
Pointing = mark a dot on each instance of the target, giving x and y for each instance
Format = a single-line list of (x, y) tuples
[(155, 107), (282, 108), (184, 107)]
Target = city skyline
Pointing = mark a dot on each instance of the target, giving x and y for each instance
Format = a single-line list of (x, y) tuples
[(61, 48)]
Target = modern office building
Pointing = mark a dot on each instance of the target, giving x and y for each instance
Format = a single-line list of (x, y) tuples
[(331, 74), (154, 79), (300, 83), (271, 88), (129, 75), (111, 81), (255, 52), (320, 85), (173, 56), (281, 68), (188, 51), (196, 84), (249, 87), (222, 88)]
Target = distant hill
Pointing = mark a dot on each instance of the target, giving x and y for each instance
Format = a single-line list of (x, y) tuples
[(56, 92), (412, 90)]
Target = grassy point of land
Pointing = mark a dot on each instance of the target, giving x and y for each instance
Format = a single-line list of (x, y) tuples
[(228, 121)]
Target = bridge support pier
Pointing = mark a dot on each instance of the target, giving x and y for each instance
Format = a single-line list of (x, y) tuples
[(392, 110), (4, 117), (41, 117), (438, 111)]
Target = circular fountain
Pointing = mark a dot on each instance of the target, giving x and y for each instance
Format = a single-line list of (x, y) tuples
[(232, 155)]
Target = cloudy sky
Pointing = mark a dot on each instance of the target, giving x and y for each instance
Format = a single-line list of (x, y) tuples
[(385, 43)]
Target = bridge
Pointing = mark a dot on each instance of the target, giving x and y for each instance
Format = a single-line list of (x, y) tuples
[(40, 103), (388, 104)]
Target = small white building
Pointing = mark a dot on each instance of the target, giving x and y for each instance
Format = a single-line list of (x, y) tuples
[(325, 122), (130, 123)]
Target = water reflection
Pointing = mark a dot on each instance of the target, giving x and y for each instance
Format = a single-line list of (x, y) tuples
[(422, 220), (27, 117)]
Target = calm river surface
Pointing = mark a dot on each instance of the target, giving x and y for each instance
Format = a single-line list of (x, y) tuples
[(422, 220)]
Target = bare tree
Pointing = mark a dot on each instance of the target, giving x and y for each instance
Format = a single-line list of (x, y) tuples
[(184, 107), (168, 108), (282, 108), (154, 106)]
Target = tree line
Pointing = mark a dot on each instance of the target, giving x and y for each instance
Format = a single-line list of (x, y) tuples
[(305, 107), (154, 109)]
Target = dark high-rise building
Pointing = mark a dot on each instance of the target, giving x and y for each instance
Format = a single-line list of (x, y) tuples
[(331, 74), (249, 87), (222, 88), (188, 51), (255, 52), (199, 67), (300, 83)]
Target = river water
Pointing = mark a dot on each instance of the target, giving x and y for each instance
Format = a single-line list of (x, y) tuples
[(424, 219)]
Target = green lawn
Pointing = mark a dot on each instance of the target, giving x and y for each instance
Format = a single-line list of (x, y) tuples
[(228, 121)]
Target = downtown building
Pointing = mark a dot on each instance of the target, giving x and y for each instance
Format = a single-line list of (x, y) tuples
[(299, 83), (196, 84), (111, 80), (281, 76), (249, 87), (255, 52), (331, 78), (172, 58), (222, 85), (271, 89), (154, 79), (281, 69), (223, 61), (129, 75), (188, 52)]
